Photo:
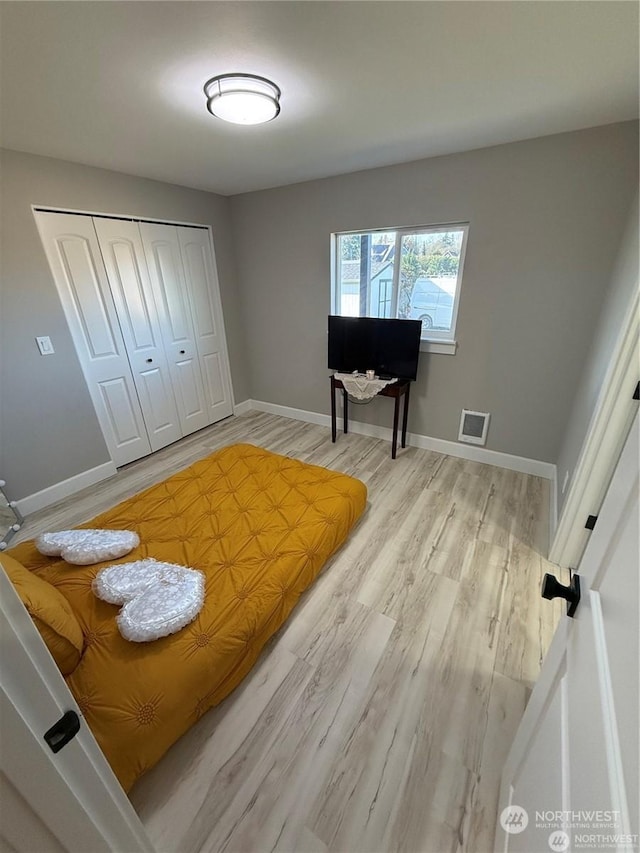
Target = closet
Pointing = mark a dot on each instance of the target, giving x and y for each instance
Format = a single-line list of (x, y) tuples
[(143, 306)]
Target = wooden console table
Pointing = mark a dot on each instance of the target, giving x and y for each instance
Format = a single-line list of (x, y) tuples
[(400, 387)]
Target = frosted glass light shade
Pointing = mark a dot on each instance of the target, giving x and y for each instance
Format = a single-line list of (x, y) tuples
[(242, 98)]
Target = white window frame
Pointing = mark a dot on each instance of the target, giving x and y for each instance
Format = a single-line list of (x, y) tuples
[(436, 341)]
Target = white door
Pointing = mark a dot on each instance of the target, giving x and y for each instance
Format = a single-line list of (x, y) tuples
[(610, 423), (126, 267), (162, 250), (571, 779), (206, 310), (64, 801), (72, 250)]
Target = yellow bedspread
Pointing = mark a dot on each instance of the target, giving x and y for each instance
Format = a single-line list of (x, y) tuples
[(260, 526)]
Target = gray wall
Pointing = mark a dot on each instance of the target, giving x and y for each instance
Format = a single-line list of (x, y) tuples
[(546, 220), (546, 217), (623, 286), (48, 426)]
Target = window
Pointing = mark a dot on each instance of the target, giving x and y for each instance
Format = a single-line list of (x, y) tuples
[(424, 285)]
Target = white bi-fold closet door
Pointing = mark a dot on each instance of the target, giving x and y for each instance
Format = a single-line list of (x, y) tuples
[(143, 306), (177, 320), (73, 252), (124, 259)]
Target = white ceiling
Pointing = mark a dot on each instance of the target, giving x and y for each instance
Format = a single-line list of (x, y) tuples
[(119, 84)]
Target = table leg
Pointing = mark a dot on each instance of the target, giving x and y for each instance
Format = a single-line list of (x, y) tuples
[(396, 413), (405, 415), (333, 410), (345, 402)]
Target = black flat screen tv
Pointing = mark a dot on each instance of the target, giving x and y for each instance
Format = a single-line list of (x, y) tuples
[(389, 347)]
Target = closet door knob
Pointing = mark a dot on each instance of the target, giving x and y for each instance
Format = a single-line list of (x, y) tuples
[(149, 360), (182, 352)]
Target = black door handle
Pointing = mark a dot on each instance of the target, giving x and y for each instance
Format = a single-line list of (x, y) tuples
[(181, 352), (63, 731), (552, 588), (149, 360)]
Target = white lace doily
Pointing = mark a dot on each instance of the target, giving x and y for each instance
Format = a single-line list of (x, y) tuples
[(357, 385)]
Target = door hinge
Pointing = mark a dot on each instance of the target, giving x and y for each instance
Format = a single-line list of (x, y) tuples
[(63, 731), (591, 522)]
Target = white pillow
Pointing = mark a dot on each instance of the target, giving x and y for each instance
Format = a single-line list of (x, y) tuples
[(159, 598), (82, 547)]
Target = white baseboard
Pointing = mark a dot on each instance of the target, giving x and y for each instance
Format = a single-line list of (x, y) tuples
[(62, 490), (296, 414), (482, 454), (547, 470), (242, 408)]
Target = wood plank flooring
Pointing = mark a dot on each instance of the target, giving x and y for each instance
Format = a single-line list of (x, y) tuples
[(378, 719)]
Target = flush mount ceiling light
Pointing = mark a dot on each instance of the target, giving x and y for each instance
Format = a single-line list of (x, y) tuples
[(242, 98)]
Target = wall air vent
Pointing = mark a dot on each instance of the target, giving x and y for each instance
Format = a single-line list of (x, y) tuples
[(473, 427)]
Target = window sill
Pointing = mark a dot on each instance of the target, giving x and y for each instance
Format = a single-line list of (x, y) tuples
[(442, 347)]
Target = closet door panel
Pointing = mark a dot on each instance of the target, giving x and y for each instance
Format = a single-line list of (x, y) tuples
[(194, 252), (83, 281), (74, 256), (133, 310), (215, 386), (173, 294), (120, 407), (158, 404), (162, 250), (126, 267), (188, 386), (206, 307)]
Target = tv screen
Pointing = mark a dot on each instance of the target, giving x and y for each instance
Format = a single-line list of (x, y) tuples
[(390, 347)]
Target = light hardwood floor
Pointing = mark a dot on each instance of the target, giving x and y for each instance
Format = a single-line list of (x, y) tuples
[(378, 719)]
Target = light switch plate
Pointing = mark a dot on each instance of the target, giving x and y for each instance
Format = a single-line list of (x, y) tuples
[(44, 345)]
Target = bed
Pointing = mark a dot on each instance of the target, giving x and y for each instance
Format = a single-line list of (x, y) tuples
[(259, 525)]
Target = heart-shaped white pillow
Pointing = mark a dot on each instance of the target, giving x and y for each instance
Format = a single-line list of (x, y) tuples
[(159, 598), (82, 547)]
